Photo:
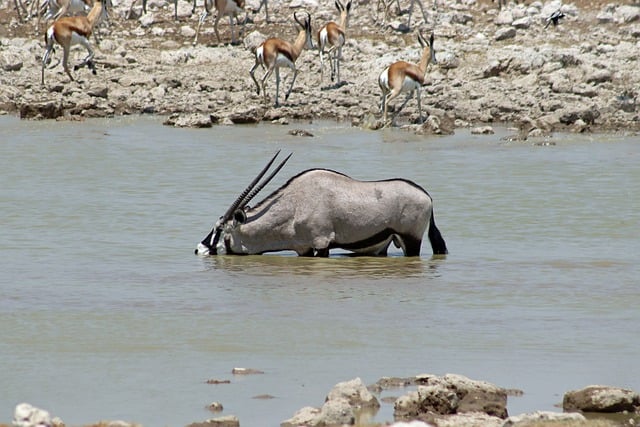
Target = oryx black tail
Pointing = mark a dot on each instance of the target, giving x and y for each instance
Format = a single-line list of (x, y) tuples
[(435, 238)]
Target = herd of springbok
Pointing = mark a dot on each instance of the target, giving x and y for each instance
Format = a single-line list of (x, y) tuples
[(271, 55)]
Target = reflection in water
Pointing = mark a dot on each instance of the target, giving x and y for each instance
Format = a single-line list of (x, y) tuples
[(336, 266)]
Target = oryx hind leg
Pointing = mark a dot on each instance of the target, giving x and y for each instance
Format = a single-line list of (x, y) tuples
[(322, 253), (306, 253), (410, 245)]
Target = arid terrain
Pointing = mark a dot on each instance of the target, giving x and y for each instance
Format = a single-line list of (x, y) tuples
[(493, 66)]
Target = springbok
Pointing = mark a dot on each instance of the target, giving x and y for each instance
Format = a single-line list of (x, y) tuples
[(274, 53), (403, 76), (231, 8), (319, 210), (55, 9), (70, 30), (333, 35), (386, 7)]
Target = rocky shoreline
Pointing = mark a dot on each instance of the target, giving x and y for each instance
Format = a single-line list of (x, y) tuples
[(441, 401), (494, 66)]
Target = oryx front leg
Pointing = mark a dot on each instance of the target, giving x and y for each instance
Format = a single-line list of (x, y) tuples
[(321, 245)]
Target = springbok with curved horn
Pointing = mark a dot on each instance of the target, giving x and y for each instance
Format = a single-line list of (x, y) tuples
[(319, 210), (403, 76), (71, 30), (333, 35), (274, 53)]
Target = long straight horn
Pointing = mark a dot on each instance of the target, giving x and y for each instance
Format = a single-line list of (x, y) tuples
[(256, 190), (242, 196)]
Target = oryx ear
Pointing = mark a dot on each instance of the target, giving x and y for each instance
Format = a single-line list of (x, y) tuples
[(240, 216)]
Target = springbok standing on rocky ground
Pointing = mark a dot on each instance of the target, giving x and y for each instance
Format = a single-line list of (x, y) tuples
[(274, 53), (386, 7), (333, 35), (70, 30), (403, 76), (231, 8)]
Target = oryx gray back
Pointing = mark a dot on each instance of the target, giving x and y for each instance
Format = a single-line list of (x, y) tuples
[(319, 210)]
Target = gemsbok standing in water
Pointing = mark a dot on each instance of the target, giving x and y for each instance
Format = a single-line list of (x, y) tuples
[(320, 209), (404, 76), (274, 53), (333, 35)]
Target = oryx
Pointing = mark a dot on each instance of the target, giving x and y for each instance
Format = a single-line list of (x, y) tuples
[(320, 209)]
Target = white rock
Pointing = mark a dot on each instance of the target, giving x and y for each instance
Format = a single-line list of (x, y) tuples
[(26, 415), (542, 416), (187, 31)]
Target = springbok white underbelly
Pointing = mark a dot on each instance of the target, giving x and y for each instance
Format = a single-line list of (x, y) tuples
[(78, 39), (284, 61), (409, 85)]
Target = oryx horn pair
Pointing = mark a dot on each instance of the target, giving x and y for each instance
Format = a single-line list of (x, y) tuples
[(211, 241), (250, 192)]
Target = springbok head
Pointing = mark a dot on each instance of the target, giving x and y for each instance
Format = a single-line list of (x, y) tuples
[(306, 25), (235, 214), (424, 43)]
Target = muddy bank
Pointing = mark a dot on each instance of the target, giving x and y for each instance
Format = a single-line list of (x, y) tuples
[(494, 66)]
